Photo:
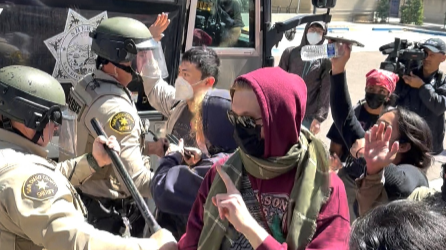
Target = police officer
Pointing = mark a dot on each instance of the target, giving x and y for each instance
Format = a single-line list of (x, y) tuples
[(39, 208), (123, 46)]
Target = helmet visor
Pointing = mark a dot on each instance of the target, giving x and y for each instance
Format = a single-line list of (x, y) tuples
[(150, 57), (64, 138)]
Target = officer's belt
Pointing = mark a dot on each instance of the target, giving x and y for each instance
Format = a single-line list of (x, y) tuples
[(118, 204)]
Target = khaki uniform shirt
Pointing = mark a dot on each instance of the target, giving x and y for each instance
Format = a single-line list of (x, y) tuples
[(98, 95), (40, 209)]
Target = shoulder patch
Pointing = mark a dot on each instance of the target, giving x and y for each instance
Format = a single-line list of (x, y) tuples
[(122, 122), (39, 187)]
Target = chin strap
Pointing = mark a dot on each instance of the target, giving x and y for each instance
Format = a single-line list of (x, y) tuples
[(136, 77), (6, 124)]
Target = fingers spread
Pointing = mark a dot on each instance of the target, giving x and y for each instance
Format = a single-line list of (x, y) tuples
[(388, 134), (395, 148)]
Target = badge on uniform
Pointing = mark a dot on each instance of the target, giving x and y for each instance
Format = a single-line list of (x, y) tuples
[(122, 122), (39, 187)]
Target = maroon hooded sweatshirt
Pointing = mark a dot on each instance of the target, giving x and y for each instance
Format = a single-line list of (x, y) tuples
[(283, 108)]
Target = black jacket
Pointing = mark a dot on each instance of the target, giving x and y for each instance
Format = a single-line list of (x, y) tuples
[(401, 180), (429, 102)]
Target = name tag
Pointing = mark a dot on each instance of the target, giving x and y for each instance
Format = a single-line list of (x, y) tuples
[(75, 104)]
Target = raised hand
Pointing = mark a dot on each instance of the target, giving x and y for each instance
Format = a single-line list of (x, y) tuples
[(378, 152), (159, 26), (231, 205), (338, 63)]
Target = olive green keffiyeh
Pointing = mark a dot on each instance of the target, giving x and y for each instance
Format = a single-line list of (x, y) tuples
[(309, 193)]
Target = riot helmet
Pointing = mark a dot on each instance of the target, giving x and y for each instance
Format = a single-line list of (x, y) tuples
[(121, 40), (32, 97)]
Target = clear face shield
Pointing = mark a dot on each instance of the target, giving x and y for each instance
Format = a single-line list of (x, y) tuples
[(150, 59), (64, 137)]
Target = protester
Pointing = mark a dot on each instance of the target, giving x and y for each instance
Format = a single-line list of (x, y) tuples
[(424, 91), (404, 225), (178, 178), (404, 169), (198, 72), (315, 73), (275, 191), (380, 85)]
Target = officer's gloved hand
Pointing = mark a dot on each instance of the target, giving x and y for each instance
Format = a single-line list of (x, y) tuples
[(164, 240)]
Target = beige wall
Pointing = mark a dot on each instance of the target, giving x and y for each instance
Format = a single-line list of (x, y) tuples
[(434, 11), (344, 9)]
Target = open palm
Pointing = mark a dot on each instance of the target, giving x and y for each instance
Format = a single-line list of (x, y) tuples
[(378, 153), (159, 26)]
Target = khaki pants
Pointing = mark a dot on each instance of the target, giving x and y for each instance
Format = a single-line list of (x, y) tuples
[(350, 189)]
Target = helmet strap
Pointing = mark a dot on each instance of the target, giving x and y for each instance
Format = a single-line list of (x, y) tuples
[(7, 125), (130, 70)]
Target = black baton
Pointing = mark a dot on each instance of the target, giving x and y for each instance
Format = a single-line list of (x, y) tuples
[(148, 217)]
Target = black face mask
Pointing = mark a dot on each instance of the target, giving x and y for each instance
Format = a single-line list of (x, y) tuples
[(249, 140), (374, 100)]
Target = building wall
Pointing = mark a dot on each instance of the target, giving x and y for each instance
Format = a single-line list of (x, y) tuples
[(434, 11), (354, 10)]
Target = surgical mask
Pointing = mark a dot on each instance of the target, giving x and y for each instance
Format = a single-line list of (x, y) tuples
[(314, 38), (249, 140), (374, 101), (184, 90)]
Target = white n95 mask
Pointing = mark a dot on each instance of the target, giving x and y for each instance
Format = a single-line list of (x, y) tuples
[(183, 90), (314, 38)]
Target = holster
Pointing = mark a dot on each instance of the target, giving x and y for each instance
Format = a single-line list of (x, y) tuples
[(120, 217)]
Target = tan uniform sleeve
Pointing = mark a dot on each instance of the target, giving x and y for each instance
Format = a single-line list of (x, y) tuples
[(120, 119), (76, 170), (371, 192), (39, 204), (160, 94)]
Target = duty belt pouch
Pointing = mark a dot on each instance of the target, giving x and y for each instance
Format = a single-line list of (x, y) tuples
[(102, 214)]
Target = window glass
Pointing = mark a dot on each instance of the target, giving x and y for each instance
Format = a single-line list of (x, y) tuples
[(224, 23), (56, 40)]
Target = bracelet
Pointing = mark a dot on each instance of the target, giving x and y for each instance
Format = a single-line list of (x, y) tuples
[(92, 162), (358, 152)]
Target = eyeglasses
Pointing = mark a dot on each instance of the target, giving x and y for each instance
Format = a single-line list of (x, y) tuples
[(245, 121)]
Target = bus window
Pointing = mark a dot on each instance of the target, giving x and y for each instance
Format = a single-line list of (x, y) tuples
[(224, 23)]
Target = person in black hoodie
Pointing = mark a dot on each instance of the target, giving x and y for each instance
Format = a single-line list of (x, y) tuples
[(178, 177), (380, 85), (399, 156), (316, 75)]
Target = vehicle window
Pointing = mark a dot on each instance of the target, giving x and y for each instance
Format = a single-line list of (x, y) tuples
[(224, 23), (56, 40)]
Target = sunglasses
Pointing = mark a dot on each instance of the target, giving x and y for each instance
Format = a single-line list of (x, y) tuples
[(245, 121)]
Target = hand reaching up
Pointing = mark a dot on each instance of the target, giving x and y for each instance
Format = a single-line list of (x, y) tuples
[(378, 152)]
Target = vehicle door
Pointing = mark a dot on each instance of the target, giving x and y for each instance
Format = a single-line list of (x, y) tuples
[(53, 35), (232, 29)]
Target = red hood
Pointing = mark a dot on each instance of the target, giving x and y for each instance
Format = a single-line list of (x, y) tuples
[(282, 97)]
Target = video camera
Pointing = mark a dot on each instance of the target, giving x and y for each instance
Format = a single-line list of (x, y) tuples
[(403, 56)]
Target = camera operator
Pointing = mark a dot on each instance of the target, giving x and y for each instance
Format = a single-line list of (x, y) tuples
[(424, 91)]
